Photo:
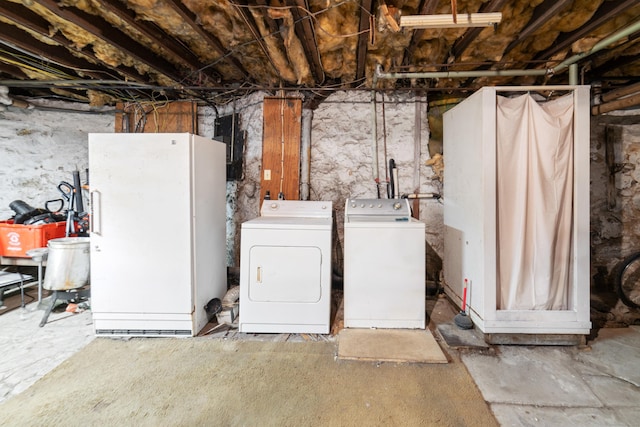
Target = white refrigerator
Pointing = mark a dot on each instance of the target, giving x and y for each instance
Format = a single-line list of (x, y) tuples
[(158, 220)]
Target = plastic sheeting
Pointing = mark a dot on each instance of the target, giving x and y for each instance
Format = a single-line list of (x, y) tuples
[(534, 202)]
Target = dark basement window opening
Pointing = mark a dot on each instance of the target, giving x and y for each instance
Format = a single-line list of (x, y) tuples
[(227, 129)]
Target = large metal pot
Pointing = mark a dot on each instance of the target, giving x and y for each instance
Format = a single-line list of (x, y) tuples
[(67, 263)]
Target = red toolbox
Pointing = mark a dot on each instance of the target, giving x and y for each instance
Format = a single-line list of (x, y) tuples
[(17, 239)]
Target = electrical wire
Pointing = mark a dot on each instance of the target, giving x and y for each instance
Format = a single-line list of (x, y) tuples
[(256, 39), (29, 61), (121, 90), (313, 15), (125, 90)]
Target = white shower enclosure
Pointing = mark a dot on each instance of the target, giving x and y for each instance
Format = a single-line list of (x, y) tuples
[(516, 209)]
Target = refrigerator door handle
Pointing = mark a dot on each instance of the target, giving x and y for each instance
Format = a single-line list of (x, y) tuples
[(95, 221)]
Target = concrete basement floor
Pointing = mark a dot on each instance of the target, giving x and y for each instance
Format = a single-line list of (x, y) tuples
[(593, 385)]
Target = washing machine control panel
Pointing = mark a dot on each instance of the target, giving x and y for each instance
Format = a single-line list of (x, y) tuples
[(397, 208)]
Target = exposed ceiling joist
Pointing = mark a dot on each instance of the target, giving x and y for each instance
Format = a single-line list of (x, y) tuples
[(34, 22), (542, 13), (153, 33), (241, 6), (621, 92), (306, 34), (364, 26), (190, 19), (25, 17), (270, 22), (101, 30), (12, 71), (606, 11), (56, 59), (615, 64), (427, 7), (197, 50), (30, 66), (472, 33)]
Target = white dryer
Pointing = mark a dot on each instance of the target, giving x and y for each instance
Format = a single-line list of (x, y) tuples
[(384, 265), (285, 268)]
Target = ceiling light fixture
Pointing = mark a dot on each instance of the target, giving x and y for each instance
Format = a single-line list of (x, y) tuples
[(447, 21)]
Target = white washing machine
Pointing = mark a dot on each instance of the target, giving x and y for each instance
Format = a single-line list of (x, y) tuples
[(384, 265), (285, 268)]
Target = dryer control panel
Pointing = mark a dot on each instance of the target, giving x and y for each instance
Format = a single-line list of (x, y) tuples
[(296, 208)]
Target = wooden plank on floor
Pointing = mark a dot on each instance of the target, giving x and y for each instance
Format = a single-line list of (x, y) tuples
[(338, 320)]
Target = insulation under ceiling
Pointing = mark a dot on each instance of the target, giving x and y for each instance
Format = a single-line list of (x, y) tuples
[(104, 51)]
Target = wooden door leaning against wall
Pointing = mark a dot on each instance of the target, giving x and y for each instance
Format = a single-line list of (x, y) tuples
[(282, 126)]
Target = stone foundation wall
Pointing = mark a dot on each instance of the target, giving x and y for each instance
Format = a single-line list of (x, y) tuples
[(40, 148), (615, 211), (340, 158)]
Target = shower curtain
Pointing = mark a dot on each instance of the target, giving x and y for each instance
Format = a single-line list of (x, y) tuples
[(534, 202)]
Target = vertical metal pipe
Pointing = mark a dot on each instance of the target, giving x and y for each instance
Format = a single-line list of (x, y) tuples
[(417, 152), (374, 140), (305, 158), (374, 130), (573, 74)]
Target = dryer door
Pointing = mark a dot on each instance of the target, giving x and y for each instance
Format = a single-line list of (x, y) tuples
[(285, 274)]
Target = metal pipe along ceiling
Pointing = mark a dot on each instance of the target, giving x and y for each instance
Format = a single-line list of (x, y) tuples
[(568, 63), (512, 73)]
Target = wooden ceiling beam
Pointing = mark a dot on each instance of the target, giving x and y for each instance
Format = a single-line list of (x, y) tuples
[(366, 11), (620, 92), (427, 7), (274, 31), (47, 56), (153, 33), (21, 92), (471, 34), (13, 71), (541, 14), (255, 31), (307, 36), (25, 18), (606, 11), (191, 19), (114, 37), (597, 73), (270, 22)]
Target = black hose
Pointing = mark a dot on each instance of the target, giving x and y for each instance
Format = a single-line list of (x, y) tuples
[(20, 207), (391, 192), (77, 187), (24, 211)]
